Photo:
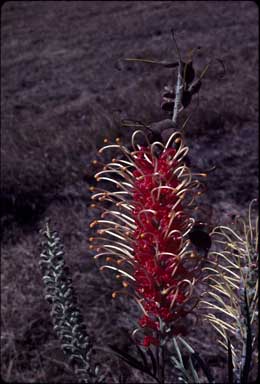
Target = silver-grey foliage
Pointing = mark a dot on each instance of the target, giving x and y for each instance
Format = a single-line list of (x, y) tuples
[(66, 317)]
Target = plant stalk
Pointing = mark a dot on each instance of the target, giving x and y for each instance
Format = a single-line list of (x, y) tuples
[(178, 94)]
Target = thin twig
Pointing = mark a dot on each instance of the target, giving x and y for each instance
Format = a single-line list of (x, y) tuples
[(179, 85)]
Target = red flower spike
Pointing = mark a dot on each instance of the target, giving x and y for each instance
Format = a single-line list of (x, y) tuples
[(151, 193)]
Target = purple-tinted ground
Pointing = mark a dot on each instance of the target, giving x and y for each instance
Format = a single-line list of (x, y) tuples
[(62, 91)]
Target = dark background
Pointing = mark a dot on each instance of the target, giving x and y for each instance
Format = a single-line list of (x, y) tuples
[(62, 90)]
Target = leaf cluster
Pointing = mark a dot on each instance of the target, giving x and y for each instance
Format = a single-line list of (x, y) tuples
[(66, 316)]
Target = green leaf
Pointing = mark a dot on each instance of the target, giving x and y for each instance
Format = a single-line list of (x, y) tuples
[(190, 349), (195, 376), (143, 357), (178, 350), (153, 360)]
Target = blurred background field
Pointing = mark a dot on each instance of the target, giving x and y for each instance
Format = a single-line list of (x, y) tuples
[(64, 89)]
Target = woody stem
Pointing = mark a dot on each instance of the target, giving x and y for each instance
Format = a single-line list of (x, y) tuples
[(178, 94)]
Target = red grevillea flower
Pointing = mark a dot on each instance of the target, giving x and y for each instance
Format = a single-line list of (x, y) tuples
[(144, 236)]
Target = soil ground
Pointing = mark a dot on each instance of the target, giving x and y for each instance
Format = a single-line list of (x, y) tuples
[(64, 88)]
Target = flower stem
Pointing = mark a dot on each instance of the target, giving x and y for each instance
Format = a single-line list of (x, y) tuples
[(160, 359), (162, 364)]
